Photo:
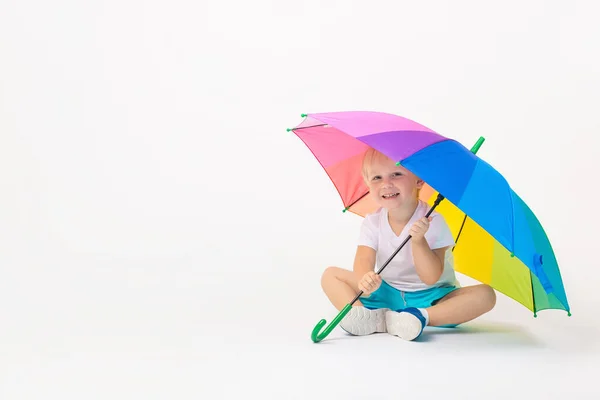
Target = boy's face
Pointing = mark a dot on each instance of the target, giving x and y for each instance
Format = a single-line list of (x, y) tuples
[(390, 185)]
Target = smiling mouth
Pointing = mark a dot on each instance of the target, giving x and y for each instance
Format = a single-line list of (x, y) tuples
[(390, 195)]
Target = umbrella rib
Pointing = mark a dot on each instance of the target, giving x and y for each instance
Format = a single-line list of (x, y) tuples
[(306, 127), (532, 294), (356, 201), (459, 232)]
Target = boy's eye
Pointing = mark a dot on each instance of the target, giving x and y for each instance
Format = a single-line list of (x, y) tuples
[(376, 177), (398, 174)]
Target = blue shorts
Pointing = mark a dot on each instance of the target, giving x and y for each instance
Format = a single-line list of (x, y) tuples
[(390, 297)]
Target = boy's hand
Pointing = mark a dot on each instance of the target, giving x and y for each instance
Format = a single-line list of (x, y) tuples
[(419, 228), (369, 283)]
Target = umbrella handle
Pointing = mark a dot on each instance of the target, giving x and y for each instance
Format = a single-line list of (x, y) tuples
[(317, 335)]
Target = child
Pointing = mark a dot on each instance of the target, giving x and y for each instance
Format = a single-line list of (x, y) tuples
[(418, 287)]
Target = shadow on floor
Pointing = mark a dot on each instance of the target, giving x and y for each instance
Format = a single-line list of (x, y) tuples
[(485, 332), (481, 333)]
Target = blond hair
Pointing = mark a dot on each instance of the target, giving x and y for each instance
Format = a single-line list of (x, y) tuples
[(370, 155)]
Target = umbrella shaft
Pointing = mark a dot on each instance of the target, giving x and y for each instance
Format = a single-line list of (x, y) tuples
[(435, 204)]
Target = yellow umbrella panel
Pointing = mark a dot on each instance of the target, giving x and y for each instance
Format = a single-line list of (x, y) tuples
[(480, 256)]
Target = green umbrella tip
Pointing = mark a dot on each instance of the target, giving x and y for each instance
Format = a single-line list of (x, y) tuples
[(398, 163), (304, 115), (512, 255), (569, 313), (289, 129), (477, 145), (345, 209), (534, 315)]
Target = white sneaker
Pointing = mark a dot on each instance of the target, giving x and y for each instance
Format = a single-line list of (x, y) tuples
[(407, 324), (362, 321)]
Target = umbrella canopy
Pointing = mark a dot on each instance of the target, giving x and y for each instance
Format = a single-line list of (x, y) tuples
[(499, 240)]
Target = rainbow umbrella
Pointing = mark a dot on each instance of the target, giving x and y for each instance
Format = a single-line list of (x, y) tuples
[(499, 240)]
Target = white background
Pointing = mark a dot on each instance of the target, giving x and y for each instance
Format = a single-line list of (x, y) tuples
[(162, 236)]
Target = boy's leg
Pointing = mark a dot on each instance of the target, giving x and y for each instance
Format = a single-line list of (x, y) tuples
[(459, 306), (462, 305), (340, 286)]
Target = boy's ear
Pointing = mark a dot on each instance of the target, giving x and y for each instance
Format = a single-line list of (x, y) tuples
[(420, 183)]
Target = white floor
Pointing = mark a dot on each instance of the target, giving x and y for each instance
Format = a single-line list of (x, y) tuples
[(113, 328), (507, 354)]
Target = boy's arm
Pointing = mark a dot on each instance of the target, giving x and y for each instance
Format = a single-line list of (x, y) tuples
[(364, 261), (428, 263)]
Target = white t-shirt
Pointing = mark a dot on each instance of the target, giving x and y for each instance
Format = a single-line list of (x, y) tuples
[(400, 273)]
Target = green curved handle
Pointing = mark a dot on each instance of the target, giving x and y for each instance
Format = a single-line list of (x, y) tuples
[(317, 335)]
